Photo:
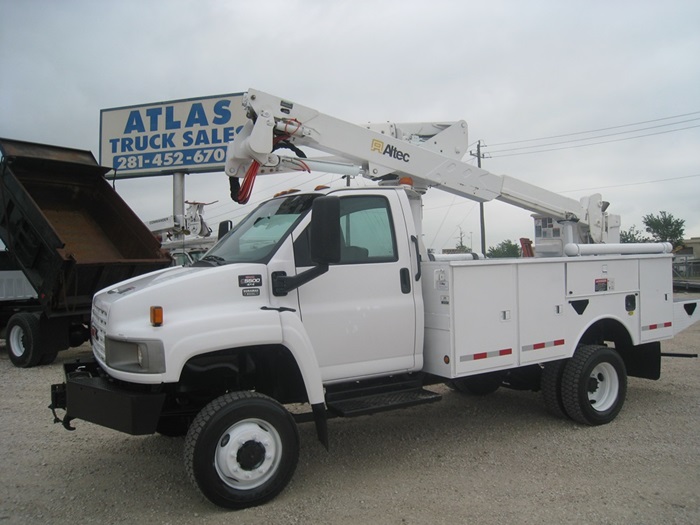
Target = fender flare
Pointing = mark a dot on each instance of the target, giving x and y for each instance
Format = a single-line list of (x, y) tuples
[(296, 340), (631, 332)]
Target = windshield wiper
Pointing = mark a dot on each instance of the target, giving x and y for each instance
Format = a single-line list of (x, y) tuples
[(214, 260)]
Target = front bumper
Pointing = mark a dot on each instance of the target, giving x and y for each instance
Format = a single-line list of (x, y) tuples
[(91, 396)]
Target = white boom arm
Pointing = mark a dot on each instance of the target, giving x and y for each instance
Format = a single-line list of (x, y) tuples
[(429, 153)]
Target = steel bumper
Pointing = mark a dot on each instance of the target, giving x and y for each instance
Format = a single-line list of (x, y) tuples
[(93, 397)]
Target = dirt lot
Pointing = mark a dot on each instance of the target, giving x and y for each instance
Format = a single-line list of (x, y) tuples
[(495, 459)]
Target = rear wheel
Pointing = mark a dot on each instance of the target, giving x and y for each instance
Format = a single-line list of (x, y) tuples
[(550, 384), (24, 340), (242, 449), (594, 385)]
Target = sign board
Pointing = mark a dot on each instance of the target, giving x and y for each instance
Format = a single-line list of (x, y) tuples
[(166, 137)]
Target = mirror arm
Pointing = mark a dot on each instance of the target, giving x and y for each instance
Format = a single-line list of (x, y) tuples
[(282, 283)]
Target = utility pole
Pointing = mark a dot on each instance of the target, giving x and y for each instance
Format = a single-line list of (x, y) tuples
[(480, 156)]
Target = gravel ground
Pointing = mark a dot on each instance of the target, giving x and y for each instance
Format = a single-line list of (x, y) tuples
[(494, 459)]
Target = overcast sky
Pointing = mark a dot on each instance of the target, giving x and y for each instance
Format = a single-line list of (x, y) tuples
[(514, 70)]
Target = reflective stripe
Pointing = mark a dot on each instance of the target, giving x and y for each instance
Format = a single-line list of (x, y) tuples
[(657, 326), (548, 344), (485, 355)]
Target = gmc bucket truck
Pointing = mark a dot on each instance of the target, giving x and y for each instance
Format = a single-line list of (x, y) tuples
[(328, 300)]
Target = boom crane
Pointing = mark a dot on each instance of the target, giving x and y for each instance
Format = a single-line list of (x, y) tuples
[(429, 153)]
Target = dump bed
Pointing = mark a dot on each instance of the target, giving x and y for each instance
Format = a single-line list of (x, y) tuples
[(65, 226)]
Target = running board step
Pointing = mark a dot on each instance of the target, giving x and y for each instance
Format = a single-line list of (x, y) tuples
[(360, 406)]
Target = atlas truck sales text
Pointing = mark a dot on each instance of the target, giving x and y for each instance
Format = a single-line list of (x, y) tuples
[(329, 300)]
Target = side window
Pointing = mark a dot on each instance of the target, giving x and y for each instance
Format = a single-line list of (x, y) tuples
[(367, 233)]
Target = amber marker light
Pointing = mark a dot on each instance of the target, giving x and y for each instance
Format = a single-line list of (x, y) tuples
[(157, 315)]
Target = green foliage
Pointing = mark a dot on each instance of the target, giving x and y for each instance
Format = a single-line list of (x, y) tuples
[(665, 228), (506, 248), (633, 235)]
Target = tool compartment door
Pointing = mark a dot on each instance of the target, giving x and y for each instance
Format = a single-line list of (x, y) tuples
[(484, 317), (541, 304), (656, 299)]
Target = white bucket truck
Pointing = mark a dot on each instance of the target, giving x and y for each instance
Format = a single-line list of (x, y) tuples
[(328, 299)]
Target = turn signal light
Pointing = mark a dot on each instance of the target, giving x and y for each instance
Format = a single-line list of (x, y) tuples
[(286, 192), (157, 315)]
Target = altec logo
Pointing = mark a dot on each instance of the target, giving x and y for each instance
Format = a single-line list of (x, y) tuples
[(391, 151)]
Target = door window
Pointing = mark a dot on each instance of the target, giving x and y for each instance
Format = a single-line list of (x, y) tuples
[(367, 233)]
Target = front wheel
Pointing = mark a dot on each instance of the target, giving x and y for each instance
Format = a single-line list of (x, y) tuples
[(241, 450), (594, 385)]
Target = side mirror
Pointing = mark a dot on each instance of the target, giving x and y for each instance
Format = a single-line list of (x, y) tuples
[(224, 228), (324, 238), (325, 230)]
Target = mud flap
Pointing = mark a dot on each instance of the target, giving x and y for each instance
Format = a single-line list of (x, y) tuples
[(642, 360)]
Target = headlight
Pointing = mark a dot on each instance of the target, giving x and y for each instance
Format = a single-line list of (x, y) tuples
[(144, 357)]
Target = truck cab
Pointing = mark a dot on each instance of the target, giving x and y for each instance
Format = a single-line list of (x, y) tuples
[(361, 318)]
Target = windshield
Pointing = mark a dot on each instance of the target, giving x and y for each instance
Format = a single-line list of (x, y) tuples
[(256, 237)]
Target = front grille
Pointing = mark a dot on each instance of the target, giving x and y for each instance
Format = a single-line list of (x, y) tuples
[(98, 329)]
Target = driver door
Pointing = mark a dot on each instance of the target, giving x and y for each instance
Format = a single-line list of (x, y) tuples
[(364, 316)]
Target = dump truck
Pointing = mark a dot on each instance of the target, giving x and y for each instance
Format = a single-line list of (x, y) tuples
[(67, 235)]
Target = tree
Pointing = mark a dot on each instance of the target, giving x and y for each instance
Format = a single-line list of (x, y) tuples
[(665, 228), (506, 248), (461, 248), (633, 235)]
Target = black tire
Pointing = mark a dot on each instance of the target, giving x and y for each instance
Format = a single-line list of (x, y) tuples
[(241, 450), (550, 384), (478, 385), (24, 340), (48, 357), (594, 385)]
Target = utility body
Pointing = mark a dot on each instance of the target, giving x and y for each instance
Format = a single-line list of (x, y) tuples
[(330, 299), (68, 234)]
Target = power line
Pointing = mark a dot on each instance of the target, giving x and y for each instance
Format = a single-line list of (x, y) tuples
[(600, 136), (595, 143), (631, 184), (594, 130)]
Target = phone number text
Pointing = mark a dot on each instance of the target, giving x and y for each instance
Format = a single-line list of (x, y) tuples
[(185, 157)]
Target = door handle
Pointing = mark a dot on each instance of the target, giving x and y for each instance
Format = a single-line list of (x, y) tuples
[(414, 240), (405, 277)]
